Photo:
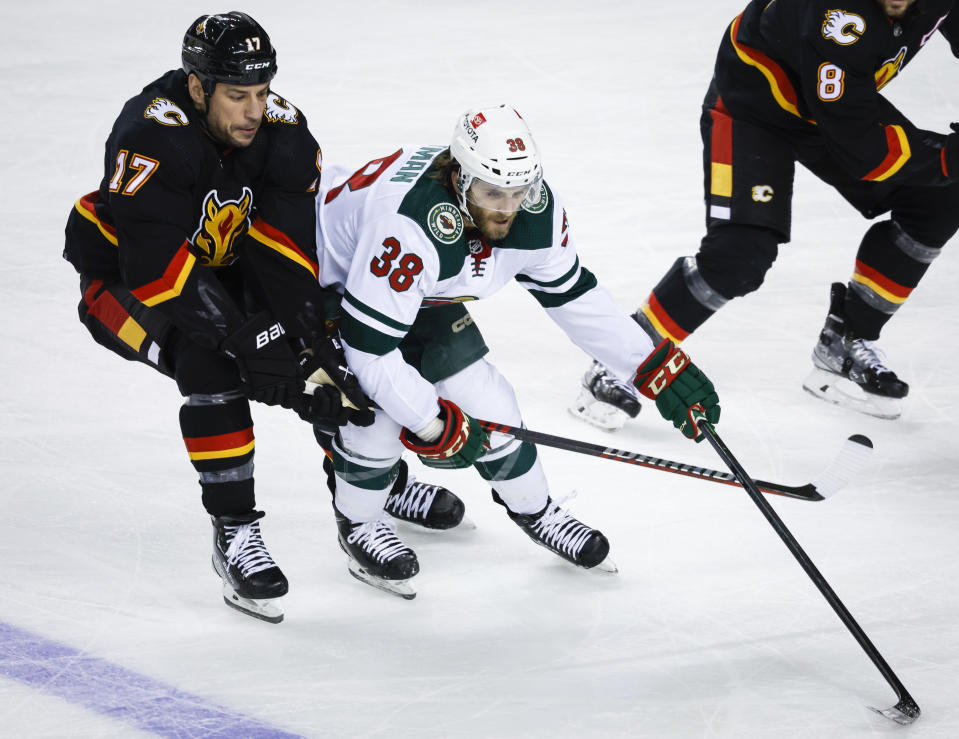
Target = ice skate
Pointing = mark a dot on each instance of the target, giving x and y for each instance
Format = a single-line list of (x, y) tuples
[(554, 528), (849, 371), (377, 556), (428, 506), (252, 583), (604, 400)]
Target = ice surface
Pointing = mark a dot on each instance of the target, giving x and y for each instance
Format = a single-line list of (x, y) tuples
[(709, 630)]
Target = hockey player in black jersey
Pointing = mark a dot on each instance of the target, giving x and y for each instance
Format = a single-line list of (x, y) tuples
[(197, 256), (801, 81)]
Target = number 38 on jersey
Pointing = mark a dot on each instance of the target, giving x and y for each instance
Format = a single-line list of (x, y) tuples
[(400, 270)]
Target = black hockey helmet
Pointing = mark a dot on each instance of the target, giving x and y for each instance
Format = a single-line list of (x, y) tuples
[(228, 47)]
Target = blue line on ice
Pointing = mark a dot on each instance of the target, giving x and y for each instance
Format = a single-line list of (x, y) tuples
[(121, 694)]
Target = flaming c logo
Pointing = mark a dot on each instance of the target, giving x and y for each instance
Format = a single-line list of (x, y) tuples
[(221, 224)]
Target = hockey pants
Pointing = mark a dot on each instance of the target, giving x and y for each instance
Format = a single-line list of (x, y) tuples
[(366, 459)]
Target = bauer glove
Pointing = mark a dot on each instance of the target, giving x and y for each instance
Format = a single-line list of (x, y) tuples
[(273, 375), (267, 364), (324, 364), (683, 394), (461, 442)]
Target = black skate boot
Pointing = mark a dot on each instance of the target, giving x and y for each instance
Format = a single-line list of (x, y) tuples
[(251, 580), (429, 506), (377, 556), (849, 371), (554, 528), (604, 400)]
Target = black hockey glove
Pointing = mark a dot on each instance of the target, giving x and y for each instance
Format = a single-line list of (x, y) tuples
[(268, 366), (950, 153), (461, 442), (324, 364), (323, 408), (683, 394)]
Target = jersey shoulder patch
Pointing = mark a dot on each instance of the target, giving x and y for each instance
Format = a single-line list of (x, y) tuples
[(280, 110), (165, 112), (843, 27), (429, 205)]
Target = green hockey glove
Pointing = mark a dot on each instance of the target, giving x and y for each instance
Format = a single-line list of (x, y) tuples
[(681, 391), (461, 442)]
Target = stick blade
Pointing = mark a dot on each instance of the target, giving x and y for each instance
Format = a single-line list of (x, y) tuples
[(904, 712), (846, 467)]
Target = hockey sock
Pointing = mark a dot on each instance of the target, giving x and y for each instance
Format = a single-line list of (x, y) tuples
[(889, 265), (218, 433)]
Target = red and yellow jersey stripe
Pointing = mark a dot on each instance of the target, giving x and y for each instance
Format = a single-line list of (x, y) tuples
[(86, 207), (108, 311), (899, 153), (275, 239), (721, 152), (779, 84), (170, 283)]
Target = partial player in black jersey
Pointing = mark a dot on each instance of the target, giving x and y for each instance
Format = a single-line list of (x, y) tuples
[(197, 256), (800, 81)]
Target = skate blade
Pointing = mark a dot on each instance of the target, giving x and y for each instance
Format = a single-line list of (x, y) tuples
[(265, 609), (607, 567), (596, 412), (845, 393), (394, 587), (466, 524)]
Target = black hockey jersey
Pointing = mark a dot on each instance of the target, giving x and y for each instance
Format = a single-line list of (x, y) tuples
[(177, 211), (816, 68)]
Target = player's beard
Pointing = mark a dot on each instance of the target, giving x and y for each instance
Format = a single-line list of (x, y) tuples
[(896, 8), (238, 134), (491, 223)]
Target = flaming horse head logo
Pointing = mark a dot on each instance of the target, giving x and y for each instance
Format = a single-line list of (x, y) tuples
[(221, 224)]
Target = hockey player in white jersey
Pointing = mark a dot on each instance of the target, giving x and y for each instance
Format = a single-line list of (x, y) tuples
[(406, 240)]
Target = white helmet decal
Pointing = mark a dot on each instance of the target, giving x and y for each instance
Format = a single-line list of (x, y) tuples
[(494, 144)]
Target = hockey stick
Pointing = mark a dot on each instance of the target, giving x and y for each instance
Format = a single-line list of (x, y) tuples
[(850, 461), (906, 710)]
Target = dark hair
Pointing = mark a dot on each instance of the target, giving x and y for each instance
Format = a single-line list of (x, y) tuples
[(443, 167)]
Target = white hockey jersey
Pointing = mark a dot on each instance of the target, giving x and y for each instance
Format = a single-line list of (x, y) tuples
[(391, 239)]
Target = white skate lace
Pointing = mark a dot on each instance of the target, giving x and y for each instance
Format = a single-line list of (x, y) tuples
[(247, 550), (560, 530), (415, 500), (378, 538), (868, 356), (600, 382)]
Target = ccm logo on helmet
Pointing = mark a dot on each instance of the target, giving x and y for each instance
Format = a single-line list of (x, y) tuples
[(256, 65)]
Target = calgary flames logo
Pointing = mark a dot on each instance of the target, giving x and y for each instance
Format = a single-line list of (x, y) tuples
[(221, 224), (279, 110), (166, 112), (842, 27)]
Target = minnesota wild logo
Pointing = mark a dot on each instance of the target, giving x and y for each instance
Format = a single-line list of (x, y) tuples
[(538, 202), (445, 222), (221, 224)]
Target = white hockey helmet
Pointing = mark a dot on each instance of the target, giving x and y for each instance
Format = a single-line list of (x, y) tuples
[(493, 144)]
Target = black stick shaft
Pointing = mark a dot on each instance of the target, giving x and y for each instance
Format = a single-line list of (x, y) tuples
[(797, 551), (642, 460)]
